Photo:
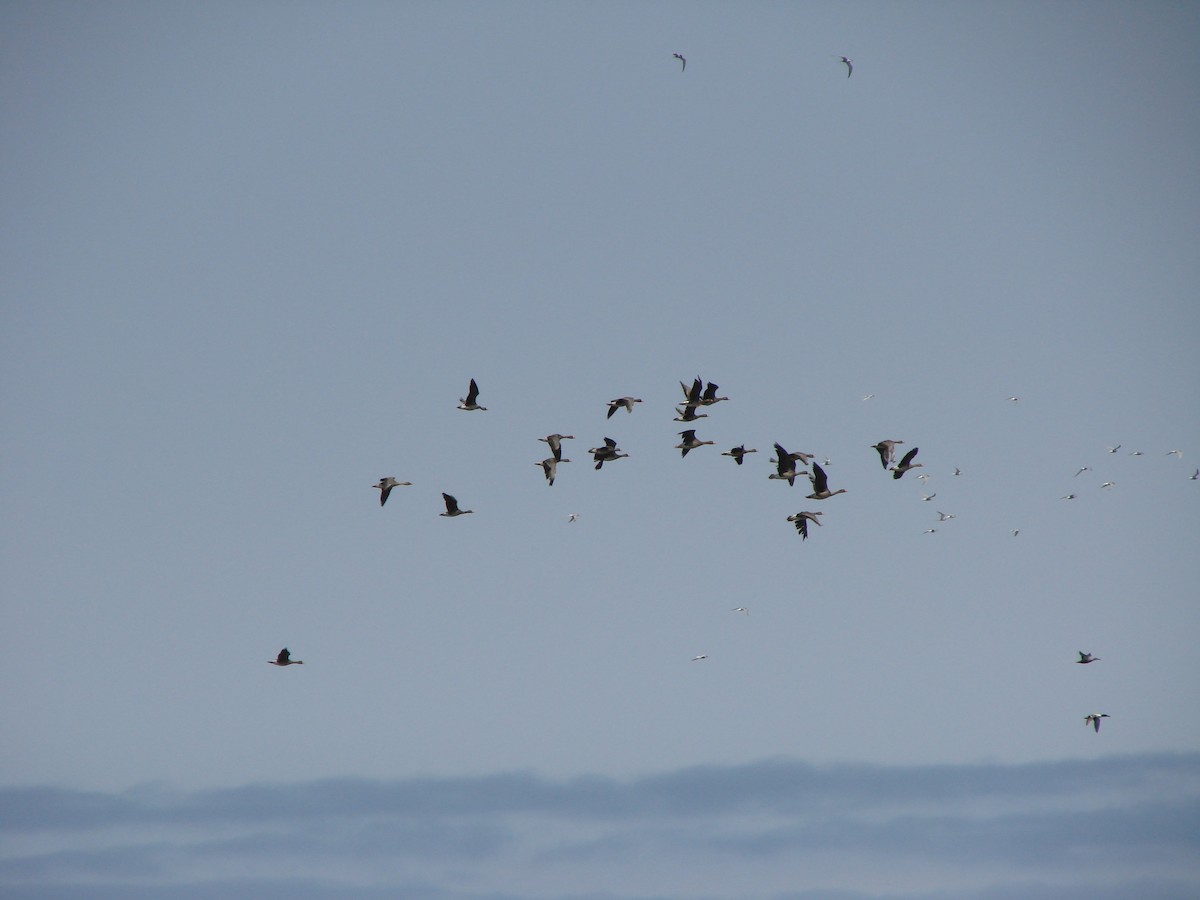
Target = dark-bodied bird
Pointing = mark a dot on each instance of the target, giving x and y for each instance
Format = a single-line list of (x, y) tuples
[(710, 395), (1085, 658), (887, 451), (906, 463), (621, 402), (679, 56), (690, 441), (849, 65), (550, 467), (470, 402), (820, 485), (801, 520), (452, 507), (385, 486), (688, 414), (693, 396), (1094, 720), (738, 453), (285, 659), (555, 442), (607, 453), (785, 465)]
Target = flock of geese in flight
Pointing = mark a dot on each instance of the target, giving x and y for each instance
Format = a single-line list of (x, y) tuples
[(789, 465)]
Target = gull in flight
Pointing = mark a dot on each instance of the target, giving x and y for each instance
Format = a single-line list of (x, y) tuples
[(285, 659), (701, 656), (572, 517), (1114, 449), (385, 487), (626, 402), (679, 56), (946, 517), (1082, 470), (957, 470), (1085, 658), (928, 497), (1094, 720), (741, 609), (452, 507), (1109, 484), (1136, 453), (1178, 454), (1067, 497), (867, 396), (801, 520), (849, 65), (1014, 399), (470, 403), (1195, 476), (931, 531), (1016, 531)]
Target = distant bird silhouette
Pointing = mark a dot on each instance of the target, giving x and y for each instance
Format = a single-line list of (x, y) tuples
[(1136, 453), (285, 659), (820, 485), (1014, 399), (550, 468), (1083, 469), (1094, 720), (452, 507), (710, 395), (928, 497), (866, 396), (849, 65), (555, 442), (1114, 449), (1085, 658), (738, 453), (1067, 497), (946, 517), (621, 402), (573, 517), (741, 609), (906, 463), (930, 531), (1016, 531), (385, 486), (608, 453), (1195, 476), (1178, 454), (701, 656), (690, 441), (1109, 484), (801, 520), (470, 402), (957, 470), (679, 56)]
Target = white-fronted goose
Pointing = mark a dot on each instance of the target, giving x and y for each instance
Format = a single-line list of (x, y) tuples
[(1094, 720), (690, 441), (887, 451), (452, 507), (385, 486), (555, 442), (470, 402), (785, 465), (692, 397), (820, 485), (607, 453), (285, 659), (1085, 658), (550, 467), (621, 402), (801, 520), (906, 463), (710, 395), (738, 453), (688, 414)]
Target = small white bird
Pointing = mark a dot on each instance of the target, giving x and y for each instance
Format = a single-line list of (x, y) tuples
[(946, 517), (928, 497), (1014, 399), (573, 517), (931, 531), (1136, 453), (849, 65), (1094, 720), (679, 56), (922, 478), (701, 656), (740, 609), (1178, 454), (868, 396), (1113, 449), (1108, 484), (1195, 476), (1016, 531), (1067, 497), (1082, 470)]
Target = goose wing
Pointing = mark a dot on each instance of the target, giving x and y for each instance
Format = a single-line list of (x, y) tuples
[(820, 481), (451, 503)]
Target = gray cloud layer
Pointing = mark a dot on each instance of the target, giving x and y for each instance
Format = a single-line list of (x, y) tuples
[(771, 829)]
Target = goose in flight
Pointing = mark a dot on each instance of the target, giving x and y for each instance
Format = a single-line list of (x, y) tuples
[(887, 451), (785, 464), (801, 520), (690, 441), (385, 486), (285, 659), (693, 396), (1094, 720), (906, 463), (820, 485), (452, 507), (710, 395), (608, 453), (1085, 658), (679, 56), (849, 65), (555, 442), (738, 453), (550, 467), (626, 402), (688, 414), (471, 403)]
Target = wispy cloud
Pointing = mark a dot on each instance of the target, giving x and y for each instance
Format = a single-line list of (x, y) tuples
[(771, 829)]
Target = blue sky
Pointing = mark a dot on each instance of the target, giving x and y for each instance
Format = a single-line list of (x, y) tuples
[(253, 253)]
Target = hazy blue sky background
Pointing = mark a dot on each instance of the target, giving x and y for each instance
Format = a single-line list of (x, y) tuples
[(251, 256)]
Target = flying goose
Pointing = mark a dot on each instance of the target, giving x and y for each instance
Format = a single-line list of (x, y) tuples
[(550, 467), (801, 520), (1094, 720), (386, 483), (470, 403), (626, 402), (887, 451), (679, 56), (785, 464), (1085, 658), (738, 453), (607, 453), (710, 395), (849, 65), (285, 659), (688, 414), (690, 441), (820, 484), (555, 442), (693, 396), (452, 507), (906, 463)]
